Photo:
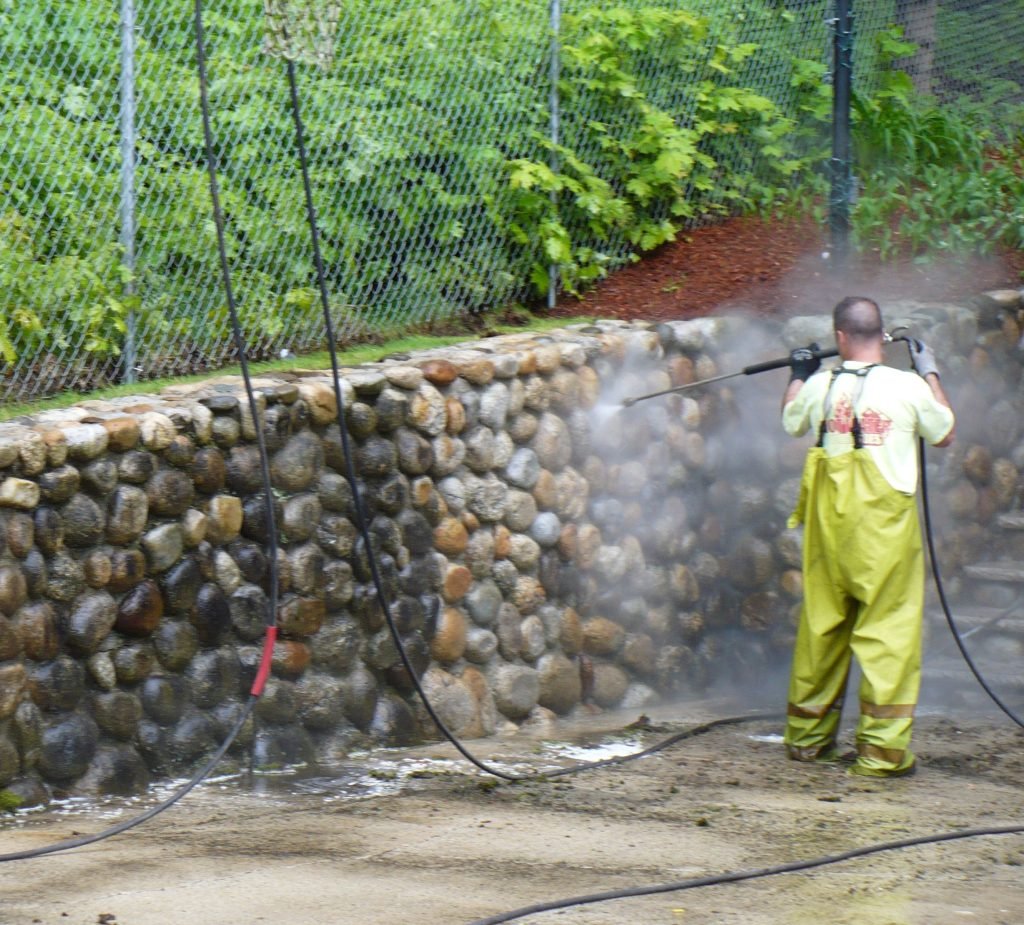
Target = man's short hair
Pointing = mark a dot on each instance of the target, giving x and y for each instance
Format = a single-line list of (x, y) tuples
[(858, 317)]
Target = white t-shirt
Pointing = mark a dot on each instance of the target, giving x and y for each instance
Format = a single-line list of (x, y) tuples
[(894, 408)]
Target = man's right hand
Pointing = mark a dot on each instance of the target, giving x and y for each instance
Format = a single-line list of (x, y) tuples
[(804, 362)]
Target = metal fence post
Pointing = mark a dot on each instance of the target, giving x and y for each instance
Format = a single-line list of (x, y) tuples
[(553, 103), (839, 199), (127, 204)]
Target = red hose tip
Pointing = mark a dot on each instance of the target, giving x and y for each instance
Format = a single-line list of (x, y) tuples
[(268, 654)]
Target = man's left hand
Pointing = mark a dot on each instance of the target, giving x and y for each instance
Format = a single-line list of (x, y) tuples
[(804, 362)]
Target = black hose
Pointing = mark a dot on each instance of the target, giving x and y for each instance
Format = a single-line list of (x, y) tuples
[(737, 876), (936, 574), (941, 591), (236, 328), (271, 617)]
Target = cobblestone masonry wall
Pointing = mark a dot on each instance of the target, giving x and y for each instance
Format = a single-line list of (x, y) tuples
[(582, 555)]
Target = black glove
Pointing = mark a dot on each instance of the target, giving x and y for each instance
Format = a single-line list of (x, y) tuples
[(804, 363)]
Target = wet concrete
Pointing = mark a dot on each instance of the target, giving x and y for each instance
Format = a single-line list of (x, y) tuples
[(417, 836)]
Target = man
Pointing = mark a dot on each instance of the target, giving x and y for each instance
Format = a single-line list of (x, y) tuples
[(863, 564)]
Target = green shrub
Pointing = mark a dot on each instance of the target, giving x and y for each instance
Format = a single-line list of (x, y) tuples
[(934, 178)]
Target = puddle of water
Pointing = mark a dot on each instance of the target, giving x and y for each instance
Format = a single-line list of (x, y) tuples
[(599, 751), (366, 774), (377, 777)]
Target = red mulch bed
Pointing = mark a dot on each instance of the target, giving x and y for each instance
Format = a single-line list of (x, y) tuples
[(776, 268)]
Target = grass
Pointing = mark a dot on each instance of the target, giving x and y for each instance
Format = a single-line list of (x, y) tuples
[(9, 801), (353, 356)]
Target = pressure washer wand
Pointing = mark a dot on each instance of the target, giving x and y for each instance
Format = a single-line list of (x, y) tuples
[(746, 371)]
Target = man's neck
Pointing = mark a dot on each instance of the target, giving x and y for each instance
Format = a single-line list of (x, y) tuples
[(862, 353)]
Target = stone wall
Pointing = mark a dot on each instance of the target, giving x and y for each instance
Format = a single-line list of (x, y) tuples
[(546, 550)]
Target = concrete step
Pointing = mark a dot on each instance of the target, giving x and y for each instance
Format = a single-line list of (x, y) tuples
[(1013, 520), (968, 618), (947, 672), (1008, 572)]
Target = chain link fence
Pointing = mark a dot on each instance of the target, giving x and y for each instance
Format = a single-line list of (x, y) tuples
[(414, 111)]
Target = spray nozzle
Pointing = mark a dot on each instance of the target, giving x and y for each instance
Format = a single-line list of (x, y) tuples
[(896, 334)]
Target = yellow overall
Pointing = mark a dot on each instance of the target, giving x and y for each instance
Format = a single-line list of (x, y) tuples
[(863, 593)]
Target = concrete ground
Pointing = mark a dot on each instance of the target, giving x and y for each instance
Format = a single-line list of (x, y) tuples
[(416, 837)]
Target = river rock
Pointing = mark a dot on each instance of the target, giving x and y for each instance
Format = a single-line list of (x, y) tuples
[(58, 485), (300, 616), (524, 552), (211, 676), (494, 402), (122, 433), (523, 469), (516, 689), (481, 645), (639, 653), (602, 636), (427, 411), (560, 686), (53, 686), (610, 685), (19, 493), (68, 744), (439, 372), (572, 494), (546, 529), (225, 431), (20, 534), (535, 393), (211, 615), (13, 588), (448, 453), (169, 492), (750, 564), (320, 701), (191, 737), (359, 689), (570, 632), (85, 441), (35, 633), (297, 465), (127, 514), (520, 510), (175, 644), (532, 638), (487, 498), (450, 537), (978, 464), (134, 661), (14, 679), (140, 610), (127, 568), (527, 593), (90, 621), (551, 443), (306, 563), (454, 702), (522, 427), (117, 714), (114, 769), (164, 546)]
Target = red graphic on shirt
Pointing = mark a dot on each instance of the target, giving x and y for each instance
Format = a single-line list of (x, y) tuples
[(874, 426)]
